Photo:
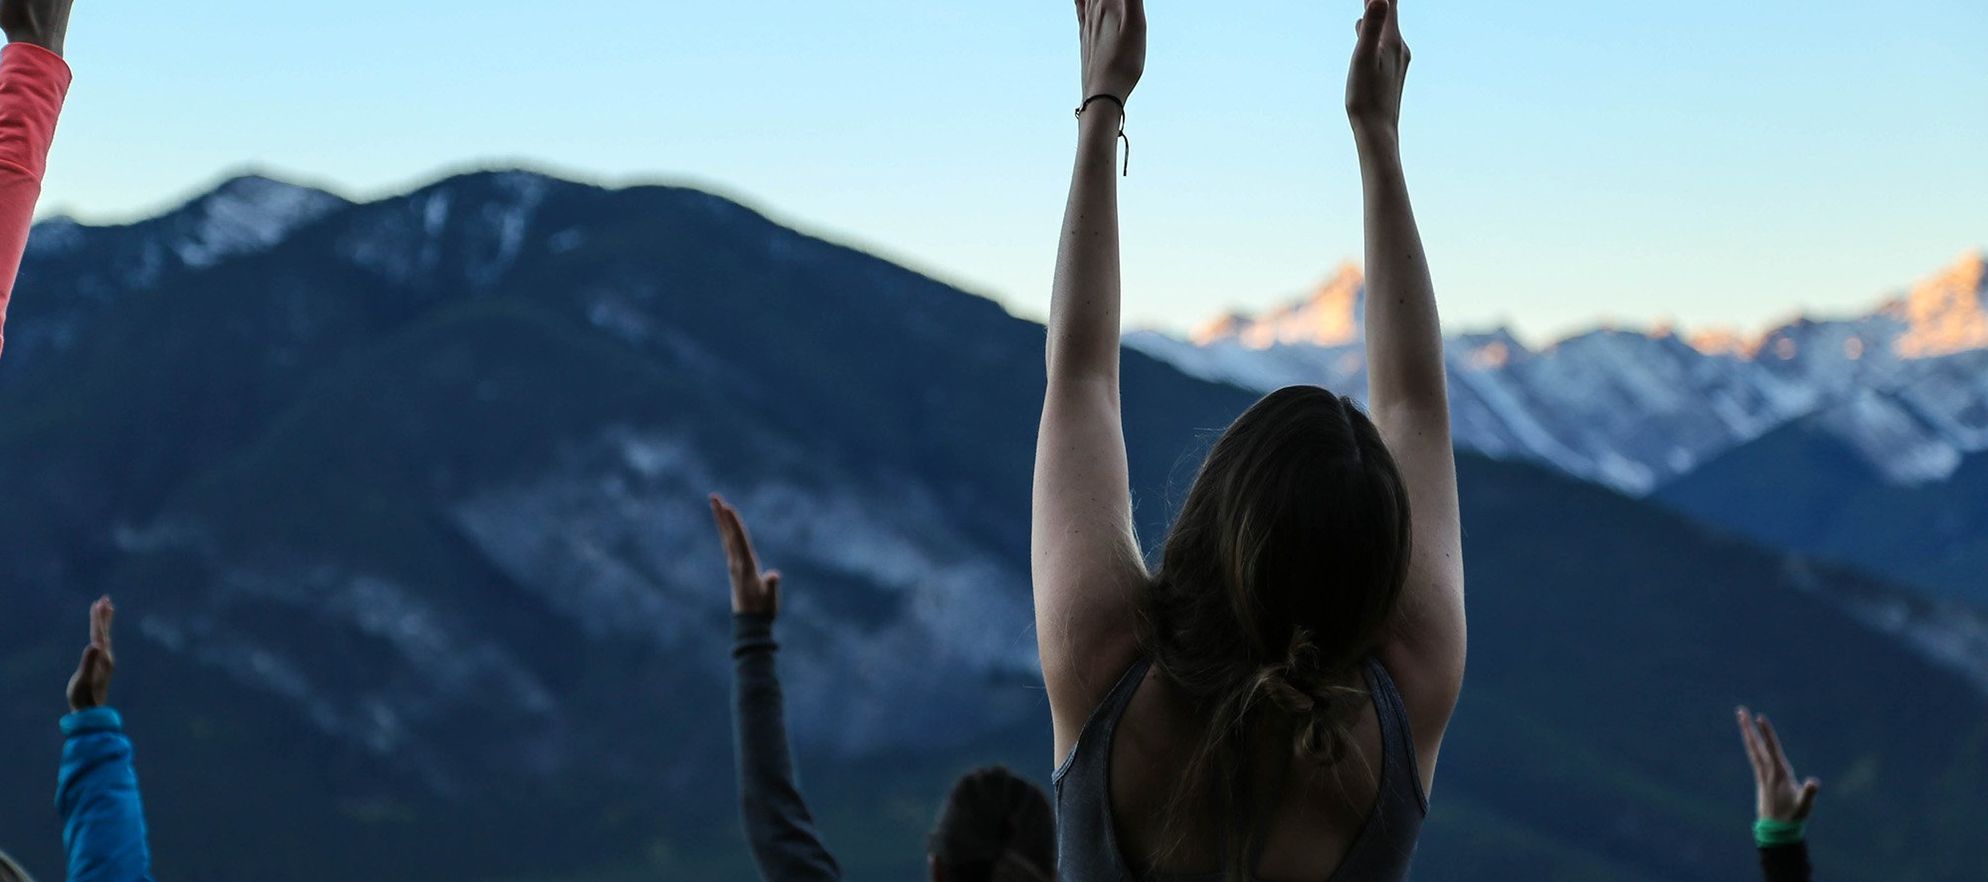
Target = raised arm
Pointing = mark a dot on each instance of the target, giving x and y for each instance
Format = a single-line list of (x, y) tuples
[(1406, 388), (103, 821), (33, 82), (777, 823), (1085, 560), (1782, 803)]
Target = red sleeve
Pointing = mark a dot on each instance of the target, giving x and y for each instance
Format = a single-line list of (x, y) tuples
[(33, 82)]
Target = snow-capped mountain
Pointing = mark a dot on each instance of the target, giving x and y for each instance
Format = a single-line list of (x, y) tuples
[(1907, 383), (240, 215)]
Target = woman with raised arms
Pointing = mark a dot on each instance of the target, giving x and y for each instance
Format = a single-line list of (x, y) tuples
[(1267, 703)]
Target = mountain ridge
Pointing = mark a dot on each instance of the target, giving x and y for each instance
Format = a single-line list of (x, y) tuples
[(1636, 408), (1944, 312)]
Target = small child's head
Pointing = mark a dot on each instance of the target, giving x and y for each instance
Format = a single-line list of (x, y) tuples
[(995, 827)]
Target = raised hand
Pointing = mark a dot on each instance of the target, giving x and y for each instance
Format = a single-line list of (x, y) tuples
[(1380, 68), (1779, 798), (1114, 44), (90, 686), (42, 22), (754, 592)]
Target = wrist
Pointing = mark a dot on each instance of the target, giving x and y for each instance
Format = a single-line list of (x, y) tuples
[(752, 635), (50, 42), (1770, 832), (1101, 107), (91, 719), (1376, 140), (1100, 126)]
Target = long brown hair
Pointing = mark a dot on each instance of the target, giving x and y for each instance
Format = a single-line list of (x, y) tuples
[(996, 827), (1275, 584)]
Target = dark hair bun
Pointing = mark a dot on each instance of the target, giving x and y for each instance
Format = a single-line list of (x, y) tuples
[(1319, 708)]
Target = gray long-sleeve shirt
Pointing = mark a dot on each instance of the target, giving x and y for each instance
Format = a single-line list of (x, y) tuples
[(777, 823)]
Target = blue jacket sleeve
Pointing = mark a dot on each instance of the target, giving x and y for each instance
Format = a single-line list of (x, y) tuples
[(103, 824), (777, 823)]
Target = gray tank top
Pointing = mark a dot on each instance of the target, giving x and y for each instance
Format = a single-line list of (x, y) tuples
[(1087, 842)]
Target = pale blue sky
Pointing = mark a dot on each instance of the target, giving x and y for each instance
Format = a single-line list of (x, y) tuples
[(1573, 162)]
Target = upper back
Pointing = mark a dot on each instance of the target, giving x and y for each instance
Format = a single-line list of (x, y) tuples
[(1355, 822)]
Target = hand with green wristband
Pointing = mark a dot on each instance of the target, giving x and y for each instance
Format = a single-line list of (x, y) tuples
[(1783, 803)]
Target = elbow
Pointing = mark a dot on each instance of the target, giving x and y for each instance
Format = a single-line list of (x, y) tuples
[(1065, 359), (1411, 411), (1065, 372)]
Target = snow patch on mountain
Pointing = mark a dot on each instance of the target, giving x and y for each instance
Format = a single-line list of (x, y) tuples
[(469, 229), (616, 537), (1951, 394), (246, 214), (1889, 436), (429, 663), (507, 219), (1950, 634)]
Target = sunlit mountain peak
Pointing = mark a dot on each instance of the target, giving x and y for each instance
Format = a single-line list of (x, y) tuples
[(1948, 312), (1331, 315)]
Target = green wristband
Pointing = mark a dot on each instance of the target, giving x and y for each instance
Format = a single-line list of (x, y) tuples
[(1768, 832)]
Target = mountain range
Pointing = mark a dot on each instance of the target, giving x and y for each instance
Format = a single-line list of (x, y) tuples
[(402, 502), (1903, 387)]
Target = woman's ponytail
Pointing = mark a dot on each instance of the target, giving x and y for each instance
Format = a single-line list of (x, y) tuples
[(1320, 710)]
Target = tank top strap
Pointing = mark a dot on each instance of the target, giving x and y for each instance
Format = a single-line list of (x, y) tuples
[(1103, 722), (1399, 766)]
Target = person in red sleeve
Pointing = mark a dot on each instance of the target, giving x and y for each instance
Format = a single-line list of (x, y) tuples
[(33, 81)]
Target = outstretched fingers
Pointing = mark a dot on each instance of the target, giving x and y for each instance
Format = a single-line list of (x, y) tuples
[(743, 560), (1751, 738), (90, 663), (101, 613), (90, 685), (1778, 761), (731, 529), (1806, 802), (722, 523)]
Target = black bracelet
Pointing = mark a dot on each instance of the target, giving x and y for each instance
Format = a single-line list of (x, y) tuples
[(1121, 125)]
